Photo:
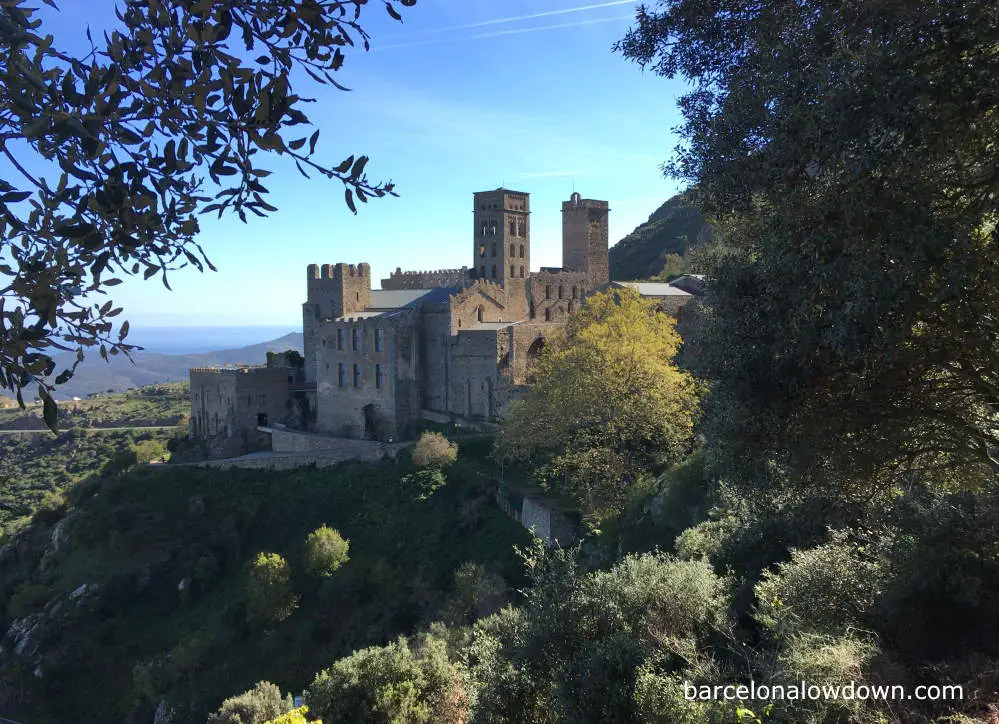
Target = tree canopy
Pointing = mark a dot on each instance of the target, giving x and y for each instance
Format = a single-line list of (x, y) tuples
[(607, 405), (178, 91), (846, 150)]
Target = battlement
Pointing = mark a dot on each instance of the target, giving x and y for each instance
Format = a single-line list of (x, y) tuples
[(400, 279), (337, 272), (577, 202)]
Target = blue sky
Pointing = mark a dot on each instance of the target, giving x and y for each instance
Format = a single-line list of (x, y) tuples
[(463, 96)]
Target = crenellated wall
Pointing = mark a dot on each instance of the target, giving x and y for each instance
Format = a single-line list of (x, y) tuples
[(400, 279)]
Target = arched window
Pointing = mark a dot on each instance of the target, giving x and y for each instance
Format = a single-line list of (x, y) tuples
[(548, 291), (480, 312), (521, 271), (548, 314), (521, 251), (513, 272), (575, 291), (494, 271), (513, 250), (560, 291), (521, 228), (513, 227)]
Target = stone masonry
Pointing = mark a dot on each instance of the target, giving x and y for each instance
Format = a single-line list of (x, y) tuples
[(453, 342)]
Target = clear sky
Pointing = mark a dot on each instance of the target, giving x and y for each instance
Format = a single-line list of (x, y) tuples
[(463, 96)]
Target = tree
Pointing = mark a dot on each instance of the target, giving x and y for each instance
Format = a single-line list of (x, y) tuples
[(269, 593), (847, 151), (259, 705), (433, 450), (325, 551), (608, 403), (179, 91)]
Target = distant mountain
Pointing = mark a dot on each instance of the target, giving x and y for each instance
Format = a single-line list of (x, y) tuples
[(94, 375), (673, 228)]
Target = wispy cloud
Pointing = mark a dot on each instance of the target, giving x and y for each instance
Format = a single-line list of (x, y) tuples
[(515, 18), (499, 33)]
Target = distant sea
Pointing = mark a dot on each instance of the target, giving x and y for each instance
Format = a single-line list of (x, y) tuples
[(194, 340)]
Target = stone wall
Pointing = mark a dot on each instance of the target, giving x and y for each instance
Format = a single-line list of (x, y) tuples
[(554, 295), (477, 389), (228, 403), (383, 397), (400, 279), (535, 513)]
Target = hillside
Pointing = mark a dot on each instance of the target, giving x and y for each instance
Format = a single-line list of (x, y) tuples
[(146, 368), (673, 228), (145, 574)]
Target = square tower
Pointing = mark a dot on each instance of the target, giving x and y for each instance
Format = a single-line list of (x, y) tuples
[(585, 237), (333, 291), (502, 235)]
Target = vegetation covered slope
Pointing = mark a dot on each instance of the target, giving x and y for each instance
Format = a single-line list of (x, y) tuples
[(673, 228), (136, 592)]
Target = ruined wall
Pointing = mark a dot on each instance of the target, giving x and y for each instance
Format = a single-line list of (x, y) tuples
[(524, 345), (400, 279), (435, 354)]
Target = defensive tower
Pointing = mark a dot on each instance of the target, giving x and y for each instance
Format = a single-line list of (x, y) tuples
[(502, 235), (585, 238)]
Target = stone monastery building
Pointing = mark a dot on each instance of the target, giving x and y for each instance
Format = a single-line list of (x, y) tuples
[(455, 342)]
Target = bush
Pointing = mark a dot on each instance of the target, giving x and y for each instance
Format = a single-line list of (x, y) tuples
[(269, 593), (29, 598), (826, 589), (259, 705), (148, 451), (434, 451), (325, 551), (295, 716), (425, 483), (395, 683)]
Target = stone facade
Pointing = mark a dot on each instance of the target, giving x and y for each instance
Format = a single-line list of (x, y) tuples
[(452, 342)]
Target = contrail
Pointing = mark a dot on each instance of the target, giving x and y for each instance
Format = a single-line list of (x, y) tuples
[(517, 18), (498, 33)]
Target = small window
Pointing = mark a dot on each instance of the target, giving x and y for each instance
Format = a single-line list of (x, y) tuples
[(494, 271), (480, 313), (357, 375), (494, 248), (513, 250), (548, 315), (339, 338), (262, 419), (521, 271), (341, 374), (513, 227), (513, 271), (355, 338), (560, 291), (521, 227), (482, 249), (378, 339), (548, 291), (379, 381), (482, 271), (575, 292), (521, 250)]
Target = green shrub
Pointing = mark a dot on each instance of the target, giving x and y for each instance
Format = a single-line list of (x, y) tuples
[(270, 597), (401, 682), (424, 483), (826, 589), (325, 551), (149, 451), (259, 705)]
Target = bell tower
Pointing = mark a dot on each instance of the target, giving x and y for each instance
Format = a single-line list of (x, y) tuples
[(585, 239), (501, 235)]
